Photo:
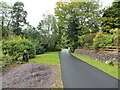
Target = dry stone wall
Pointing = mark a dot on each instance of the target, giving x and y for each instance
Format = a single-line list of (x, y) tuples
[(100, 56)]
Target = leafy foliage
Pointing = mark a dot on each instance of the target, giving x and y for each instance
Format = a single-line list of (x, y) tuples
[(115, 36), (117, 64), (77, 18), (18, 17), (86, 40), (5, 19), (15, 48), (49, 33), (111, 17), (101, 40), (6, 60), (74, 24)]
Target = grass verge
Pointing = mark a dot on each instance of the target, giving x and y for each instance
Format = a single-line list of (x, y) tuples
[(58, 81), (49, 58), (113, 71)]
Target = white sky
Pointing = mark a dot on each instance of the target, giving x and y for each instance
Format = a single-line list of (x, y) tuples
[(36, 8)]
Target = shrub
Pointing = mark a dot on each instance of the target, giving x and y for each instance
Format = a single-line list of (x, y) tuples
[(116, 64), (110, 62), (20, 62), (106, 41), (58, 48), (20, 59), (101, 40), (15, 48), (6, 60), (40, 50), (47, 47), (86, 40), (73, 47), (54, 48), (115, 36)]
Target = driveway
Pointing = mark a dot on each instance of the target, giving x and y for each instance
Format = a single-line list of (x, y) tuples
[(78, 74)]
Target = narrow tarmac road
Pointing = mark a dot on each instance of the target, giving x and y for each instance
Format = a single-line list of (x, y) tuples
[(78, 74)]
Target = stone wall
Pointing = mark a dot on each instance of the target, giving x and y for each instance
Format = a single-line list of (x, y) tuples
[(100, 56)]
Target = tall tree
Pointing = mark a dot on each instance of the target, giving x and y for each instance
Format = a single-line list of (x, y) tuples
[(5, 18), (111, 17), (48, 28), (78, 18), (19, 17)]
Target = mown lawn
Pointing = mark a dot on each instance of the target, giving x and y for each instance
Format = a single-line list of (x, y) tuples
[(49, 58), (111, 70)]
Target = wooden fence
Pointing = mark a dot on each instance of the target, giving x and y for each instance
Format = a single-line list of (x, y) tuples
[(110, 49)]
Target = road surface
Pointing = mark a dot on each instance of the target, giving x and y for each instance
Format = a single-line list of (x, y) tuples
[(78, 74)]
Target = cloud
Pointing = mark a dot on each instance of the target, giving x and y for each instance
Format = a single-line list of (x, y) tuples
[(36, 8)]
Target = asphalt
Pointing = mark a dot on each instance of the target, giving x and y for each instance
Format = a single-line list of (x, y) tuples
[(78, 74)]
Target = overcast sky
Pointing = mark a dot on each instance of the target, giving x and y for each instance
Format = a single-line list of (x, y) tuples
[(36, 8)]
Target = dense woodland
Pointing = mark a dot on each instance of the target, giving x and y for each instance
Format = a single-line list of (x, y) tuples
[(74, 24)]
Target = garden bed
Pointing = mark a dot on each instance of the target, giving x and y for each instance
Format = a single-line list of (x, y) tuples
[(29, 76)]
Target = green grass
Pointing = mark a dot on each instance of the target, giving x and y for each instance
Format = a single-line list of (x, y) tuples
[(49, 58), (111, 70)]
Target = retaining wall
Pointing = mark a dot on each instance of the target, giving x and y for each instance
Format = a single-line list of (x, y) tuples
[(100, 56)]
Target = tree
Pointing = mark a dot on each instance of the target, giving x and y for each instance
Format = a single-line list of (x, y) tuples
[(78, 18), (45, 36), (5, 19), (111, 17), (32, 34), (19, 17), (48, 29)]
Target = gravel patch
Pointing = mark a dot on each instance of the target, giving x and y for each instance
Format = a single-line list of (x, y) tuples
[(29, 76)]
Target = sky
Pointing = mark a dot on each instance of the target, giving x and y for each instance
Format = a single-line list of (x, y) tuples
[(36, 8)]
